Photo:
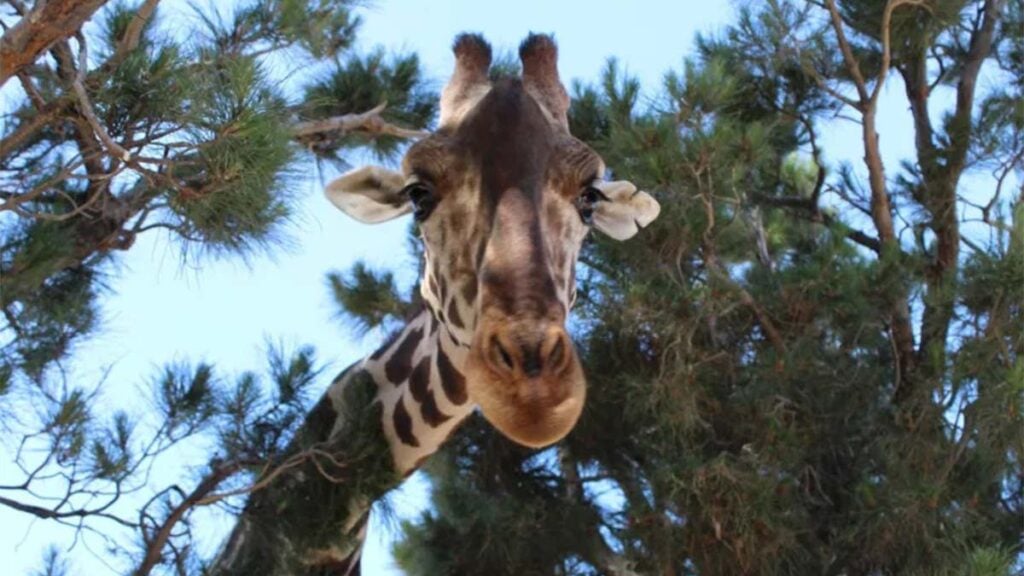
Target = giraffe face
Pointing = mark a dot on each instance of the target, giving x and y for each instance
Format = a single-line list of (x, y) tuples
[(504, 197)]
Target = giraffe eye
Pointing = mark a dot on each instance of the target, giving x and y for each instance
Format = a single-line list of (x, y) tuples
[(422, 198), (592, 195), (589, 197)]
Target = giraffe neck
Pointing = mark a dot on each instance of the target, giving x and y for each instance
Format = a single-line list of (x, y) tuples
[(420, 387)]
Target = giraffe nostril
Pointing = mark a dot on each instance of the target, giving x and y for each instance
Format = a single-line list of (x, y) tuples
[(557, 354), (502, 354)]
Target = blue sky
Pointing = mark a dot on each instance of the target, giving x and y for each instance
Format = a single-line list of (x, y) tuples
[(223, 311)]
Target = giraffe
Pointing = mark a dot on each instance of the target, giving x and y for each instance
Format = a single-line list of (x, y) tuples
[(503, 196)]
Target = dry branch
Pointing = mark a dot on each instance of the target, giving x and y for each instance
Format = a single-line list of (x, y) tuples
[(369, 122)]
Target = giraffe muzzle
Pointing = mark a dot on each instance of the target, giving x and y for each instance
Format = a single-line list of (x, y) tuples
[(527, 380)]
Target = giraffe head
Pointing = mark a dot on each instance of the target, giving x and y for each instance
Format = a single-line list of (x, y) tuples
[(504, 195)]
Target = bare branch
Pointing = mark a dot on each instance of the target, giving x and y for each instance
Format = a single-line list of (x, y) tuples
[(369, 122), (1014, 163), (55, 514), (29, 127), (85, 106)]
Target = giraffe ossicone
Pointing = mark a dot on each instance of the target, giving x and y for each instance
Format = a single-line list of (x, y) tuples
[(503, 196)]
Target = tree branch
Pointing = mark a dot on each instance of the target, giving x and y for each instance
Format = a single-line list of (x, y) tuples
[(155, 546), (980, 48), (881, 208), (50, 514), (890, 6), (37, 31), (85, 106), (133, 33), (369, 122), (29, 127), (815, 214), (915, 82), (940, 198), (847, 51), (715, 268)]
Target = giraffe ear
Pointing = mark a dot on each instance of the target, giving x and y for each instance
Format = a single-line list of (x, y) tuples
[(371, 194), (624, 210)]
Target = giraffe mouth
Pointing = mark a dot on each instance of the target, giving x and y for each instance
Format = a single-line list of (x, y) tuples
[(528, 382)]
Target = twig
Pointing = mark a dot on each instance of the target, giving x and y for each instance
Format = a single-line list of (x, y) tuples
[(820, 81), (85, 105), (207, 485), (48, 513), (262, 482), (30, 90), (369, 122), (844, 46), (1007, 168), (15, 202)]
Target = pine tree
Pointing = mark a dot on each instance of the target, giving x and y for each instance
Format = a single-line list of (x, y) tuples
[(804, 366), (119, 129)]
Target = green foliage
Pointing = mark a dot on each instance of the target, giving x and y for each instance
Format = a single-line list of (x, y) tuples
[(186, 398), (323, 29), (368, 298), (479, 475), (236, 188), (258, 422)]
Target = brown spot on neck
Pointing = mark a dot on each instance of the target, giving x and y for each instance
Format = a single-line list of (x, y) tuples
[(399, 365), (432, 415), (403, 424), (419, 380), (452, 381)]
